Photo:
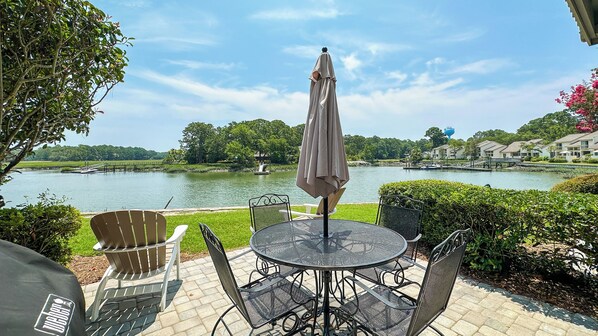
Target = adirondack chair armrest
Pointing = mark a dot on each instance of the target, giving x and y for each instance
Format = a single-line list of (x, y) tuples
[(309, 206), (305, 214), (178, 234)]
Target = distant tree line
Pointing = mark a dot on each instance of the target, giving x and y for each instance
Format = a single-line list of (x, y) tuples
[(244, 143), (93, 153)]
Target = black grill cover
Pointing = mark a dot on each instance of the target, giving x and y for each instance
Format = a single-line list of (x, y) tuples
[(38, 296)]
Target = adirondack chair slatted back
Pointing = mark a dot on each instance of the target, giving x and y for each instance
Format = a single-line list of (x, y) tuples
[(332, 201), (132, 228), (439, 280)]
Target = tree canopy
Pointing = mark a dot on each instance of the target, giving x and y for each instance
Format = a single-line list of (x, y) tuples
[(436, 136), (58, 60), (549, 127)]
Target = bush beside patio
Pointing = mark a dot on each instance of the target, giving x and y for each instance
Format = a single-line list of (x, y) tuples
[(513, 230)]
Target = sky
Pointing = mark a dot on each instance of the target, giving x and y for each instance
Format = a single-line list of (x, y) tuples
[(401, 66)]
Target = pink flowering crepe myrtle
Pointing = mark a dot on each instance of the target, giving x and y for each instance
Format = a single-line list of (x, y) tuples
[(582, 102)]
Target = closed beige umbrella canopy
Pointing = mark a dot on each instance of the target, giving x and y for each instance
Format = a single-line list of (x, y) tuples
[(322, 164)]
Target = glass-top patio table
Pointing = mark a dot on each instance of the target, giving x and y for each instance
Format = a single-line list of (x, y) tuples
[(351, 245)]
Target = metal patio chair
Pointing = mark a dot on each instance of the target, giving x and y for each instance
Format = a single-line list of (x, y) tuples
[(383, 311), (267, 300), (402, 214), (266, 210), (269, 209), (319, 208), (135, 244)]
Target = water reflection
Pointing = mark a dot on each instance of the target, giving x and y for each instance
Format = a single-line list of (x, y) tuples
[(152, 190)]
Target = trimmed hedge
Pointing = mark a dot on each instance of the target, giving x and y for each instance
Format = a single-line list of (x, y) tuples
[(580, 184), (45, 227), (528, 229)]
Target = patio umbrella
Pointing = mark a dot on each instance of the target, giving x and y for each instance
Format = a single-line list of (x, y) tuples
[(322, 163)]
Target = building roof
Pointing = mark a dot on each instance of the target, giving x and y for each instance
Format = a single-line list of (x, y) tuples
[(496, 147), (569, 138), (445, 146), (585, 13), (486, 144), (514, 147)]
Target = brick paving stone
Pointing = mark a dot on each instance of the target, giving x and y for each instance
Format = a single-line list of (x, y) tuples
[(528, 322), (553, 330), (464, 328), (475, 318), (489, 331), (169, 318), (517, 330), (187, 324), (497, 325)]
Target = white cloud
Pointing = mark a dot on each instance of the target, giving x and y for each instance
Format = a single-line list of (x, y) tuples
[(294, 14), (195, 65), (405, 112), (377, 48), (397, 75), (469, 35), (435, 61), (303, 51), (351, 64), (482, 67)]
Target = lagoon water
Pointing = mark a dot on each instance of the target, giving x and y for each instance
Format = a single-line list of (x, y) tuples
[(152, 190)]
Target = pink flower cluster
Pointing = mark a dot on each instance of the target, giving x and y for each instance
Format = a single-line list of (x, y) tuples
[(582, 102)]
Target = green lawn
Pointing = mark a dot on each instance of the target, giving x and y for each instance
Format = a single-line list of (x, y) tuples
[(232, 227)]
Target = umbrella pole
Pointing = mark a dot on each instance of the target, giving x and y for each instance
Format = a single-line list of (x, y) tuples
[(326, 217)]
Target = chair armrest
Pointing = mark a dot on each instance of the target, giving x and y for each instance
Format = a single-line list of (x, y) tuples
[(305, 214), (309, 206), (415, 239), (378, 296), (261, 284), (178, 234)]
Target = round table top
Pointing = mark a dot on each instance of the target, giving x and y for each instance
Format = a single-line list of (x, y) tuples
[(351, 245)]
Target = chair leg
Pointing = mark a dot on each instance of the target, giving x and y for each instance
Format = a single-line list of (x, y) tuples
[(221, 319), (178, 261), (436, 330), (95, 307)]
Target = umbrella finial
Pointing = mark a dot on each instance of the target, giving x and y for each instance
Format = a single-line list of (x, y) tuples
[(324, 49)]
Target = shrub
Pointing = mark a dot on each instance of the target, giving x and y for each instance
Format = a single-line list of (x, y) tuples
[(576, 160), (557, 160), (44, 227), (580, 184), (506, 223), (536, 159), (593, 160)]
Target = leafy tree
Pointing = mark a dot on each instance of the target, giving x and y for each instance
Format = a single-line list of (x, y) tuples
[(416, 156), (582, 102), (549, 128), (436, 136), (174, 156), (239, 154), (195, 138), (354, 146), (455, 145), (58, 60), (497, 135)]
